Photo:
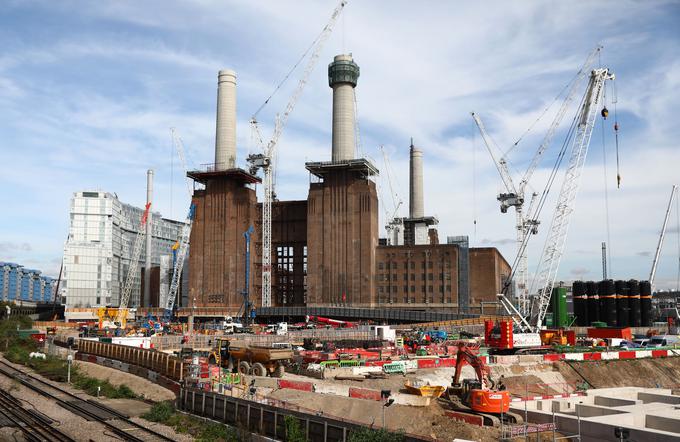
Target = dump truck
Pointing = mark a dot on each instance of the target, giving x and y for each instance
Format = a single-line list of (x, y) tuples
[(251, 359)]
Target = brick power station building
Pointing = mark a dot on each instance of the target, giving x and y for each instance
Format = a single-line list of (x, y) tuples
[(325, 250)]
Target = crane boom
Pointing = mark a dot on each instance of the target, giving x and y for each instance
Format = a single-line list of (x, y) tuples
[(652, 273), (185, 233), (501, 164), (132, 269), (265, 161), (581, 74), (559, 227)]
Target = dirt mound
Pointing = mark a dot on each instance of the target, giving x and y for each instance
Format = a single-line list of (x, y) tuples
[(659, 373)]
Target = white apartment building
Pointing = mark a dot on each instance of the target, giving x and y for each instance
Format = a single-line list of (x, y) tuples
[(99, 248)]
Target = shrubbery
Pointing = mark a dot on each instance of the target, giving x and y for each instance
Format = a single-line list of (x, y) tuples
[(201, 430)]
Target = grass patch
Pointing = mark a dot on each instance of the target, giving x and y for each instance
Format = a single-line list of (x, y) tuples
[(201, 430), (375, 435), (56, 369)]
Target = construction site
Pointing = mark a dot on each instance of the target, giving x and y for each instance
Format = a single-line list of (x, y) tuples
[(261, 319)]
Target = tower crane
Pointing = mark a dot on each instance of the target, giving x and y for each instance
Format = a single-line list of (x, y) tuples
[(121, 316), (185, 233), (515, 195), (265, 160), (394, 224)]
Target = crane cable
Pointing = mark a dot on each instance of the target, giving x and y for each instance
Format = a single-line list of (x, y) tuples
[(606, 187), (615, 99)]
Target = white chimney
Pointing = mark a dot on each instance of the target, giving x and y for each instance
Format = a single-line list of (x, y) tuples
[(342, 77), (225, 134), (416, 200)]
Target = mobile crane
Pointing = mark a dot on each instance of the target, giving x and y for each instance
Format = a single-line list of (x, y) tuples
[(524, 333), (515, 195)]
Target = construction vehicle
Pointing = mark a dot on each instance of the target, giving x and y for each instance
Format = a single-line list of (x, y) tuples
[(514, 196), (266, 160), (479, 396), (251, 359), (523, 332)]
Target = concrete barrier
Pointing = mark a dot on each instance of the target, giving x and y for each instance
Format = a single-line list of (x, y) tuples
[(364, 393), (295, 385)]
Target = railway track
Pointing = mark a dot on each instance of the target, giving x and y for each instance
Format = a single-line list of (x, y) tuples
[(115, 421), (35, 426)]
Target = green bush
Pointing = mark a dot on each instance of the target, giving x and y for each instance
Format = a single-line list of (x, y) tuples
[(92, 386), (160, 412), (374, 435), (294, 431)]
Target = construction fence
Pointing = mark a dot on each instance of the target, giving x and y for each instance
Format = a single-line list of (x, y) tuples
[(267, 416), (297, 337)]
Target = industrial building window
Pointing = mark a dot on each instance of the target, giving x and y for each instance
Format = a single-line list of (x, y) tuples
[(413, 265), (441, 289), (394, 277), (413, 276), (413, 289), (394, 265), (381, 266), (430, 289), (405, 289), (284, 274), (422, 288), (448, 288), (405, 276), (422, 265), (430, 277), (448, 300), (422, 276), (429, 264), (405, 265), (380, 289)]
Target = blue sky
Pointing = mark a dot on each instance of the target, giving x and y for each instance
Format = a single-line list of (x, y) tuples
[(89, 91)]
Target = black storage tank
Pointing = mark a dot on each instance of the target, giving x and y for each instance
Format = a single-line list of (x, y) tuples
[(635, 318), (622, 307), (645, 304), (592, 305)]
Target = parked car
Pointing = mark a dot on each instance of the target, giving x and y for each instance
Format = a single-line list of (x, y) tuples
[(629, 345), (642, 342)]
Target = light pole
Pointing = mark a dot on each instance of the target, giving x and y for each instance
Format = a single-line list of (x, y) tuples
[(69, 360)]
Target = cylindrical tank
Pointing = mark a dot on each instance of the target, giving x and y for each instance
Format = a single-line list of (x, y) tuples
[(578, 290), (225, 132), (645, 304), (622, 306), (343, 74), (635, 318), (610, 302), (592, 305)]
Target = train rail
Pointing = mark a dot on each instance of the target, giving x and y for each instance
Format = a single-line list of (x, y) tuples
[(117, 422), (35, 426)]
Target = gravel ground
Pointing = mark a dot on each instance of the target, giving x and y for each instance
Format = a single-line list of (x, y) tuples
[(163, 429), (75, 426)]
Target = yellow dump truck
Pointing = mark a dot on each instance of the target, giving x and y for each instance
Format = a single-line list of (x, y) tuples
[(251, 359)]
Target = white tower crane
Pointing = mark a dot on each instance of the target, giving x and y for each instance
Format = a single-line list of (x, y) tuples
[(662, 235), (121, 316), (265, 160), (185, 233), (395, 225), (515, 196)]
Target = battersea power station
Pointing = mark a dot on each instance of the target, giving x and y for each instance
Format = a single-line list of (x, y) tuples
[(326, 254)]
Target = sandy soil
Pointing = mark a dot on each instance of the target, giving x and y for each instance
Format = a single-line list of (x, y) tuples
[(139, 385), (427, 421)]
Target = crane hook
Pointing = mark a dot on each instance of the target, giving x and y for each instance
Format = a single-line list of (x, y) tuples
[(605, 112)]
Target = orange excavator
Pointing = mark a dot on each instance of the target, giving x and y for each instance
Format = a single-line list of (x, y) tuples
[(480, 396)]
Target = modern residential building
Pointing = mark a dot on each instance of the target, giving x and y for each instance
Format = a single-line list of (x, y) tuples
[(18, 283), (100, 245)]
